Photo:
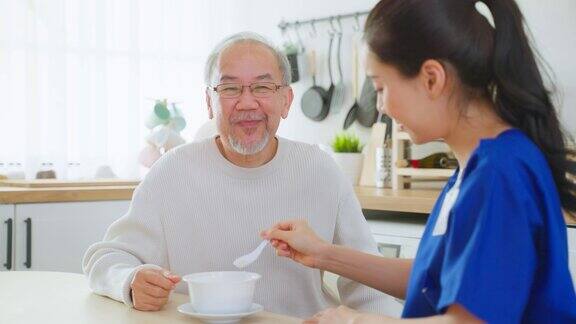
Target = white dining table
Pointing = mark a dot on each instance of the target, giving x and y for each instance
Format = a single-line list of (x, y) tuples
[(29, 297)]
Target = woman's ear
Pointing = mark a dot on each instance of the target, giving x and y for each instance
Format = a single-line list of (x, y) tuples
[(433, 77)]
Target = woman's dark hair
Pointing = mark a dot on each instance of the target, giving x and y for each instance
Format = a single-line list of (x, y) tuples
[(495, 62)]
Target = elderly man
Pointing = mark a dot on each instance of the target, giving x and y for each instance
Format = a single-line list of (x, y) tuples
[(203, 204)]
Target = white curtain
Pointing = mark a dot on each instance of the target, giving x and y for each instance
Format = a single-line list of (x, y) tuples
[(77, 77)]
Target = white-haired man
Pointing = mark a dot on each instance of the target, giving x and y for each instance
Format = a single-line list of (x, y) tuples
[(203, 204)]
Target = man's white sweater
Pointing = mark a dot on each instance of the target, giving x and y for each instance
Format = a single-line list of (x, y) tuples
[(195, 211)]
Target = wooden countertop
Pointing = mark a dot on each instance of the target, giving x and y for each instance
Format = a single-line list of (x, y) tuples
[(411, 201), (416, 201), (14, 195)]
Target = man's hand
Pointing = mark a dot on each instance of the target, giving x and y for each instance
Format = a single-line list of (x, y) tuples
[(151, 288)]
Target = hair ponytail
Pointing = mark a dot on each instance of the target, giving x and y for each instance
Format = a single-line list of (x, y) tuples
[(521, 98)]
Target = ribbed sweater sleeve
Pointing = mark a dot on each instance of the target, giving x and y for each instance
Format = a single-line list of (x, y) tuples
[(133, 242)]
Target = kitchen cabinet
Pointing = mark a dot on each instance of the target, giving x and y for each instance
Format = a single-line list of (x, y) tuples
[(397, 239), (572, 252), (6, 237), (53, 236)]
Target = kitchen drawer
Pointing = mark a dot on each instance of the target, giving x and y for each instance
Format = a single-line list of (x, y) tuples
[(396, 247), (395, 228)]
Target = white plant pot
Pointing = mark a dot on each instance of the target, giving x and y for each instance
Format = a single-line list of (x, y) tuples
[(350, 164)]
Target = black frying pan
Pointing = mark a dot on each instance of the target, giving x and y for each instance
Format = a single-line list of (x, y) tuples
[(351, 115), (314, 103), (332, 85), (367, 112)]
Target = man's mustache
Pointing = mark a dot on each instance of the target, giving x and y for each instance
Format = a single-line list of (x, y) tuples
[(247, 116)]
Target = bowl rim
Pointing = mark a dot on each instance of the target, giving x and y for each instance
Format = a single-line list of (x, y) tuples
[(193, 277)]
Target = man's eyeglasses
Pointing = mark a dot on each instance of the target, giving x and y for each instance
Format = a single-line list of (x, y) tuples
[(258, 89)]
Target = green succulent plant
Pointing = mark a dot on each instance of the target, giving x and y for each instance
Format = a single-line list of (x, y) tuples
[(346, 143)]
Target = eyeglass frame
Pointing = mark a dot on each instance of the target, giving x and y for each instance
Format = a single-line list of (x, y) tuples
[(276, 88)]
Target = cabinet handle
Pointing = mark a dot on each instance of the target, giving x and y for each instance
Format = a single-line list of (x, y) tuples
[(8, 263), (397, 248), (28, 262)]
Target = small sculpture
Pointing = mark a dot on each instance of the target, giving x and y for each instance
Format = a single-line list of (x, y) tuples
[(165, 124)]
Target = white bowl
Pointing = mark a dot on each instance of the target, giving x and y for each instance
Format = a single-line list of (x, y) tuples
[(224, 292)]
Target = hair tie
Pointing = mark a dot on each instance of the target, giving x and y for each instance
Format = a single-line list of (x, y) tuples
[(484, 10)]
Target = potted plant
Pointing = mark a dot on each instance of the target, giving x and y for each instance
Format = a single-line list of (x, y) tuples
[(347, 152)]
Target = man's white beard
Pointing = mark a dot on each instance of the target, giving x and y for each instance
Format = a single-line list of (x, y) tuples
[(251, 148), (237, 145)]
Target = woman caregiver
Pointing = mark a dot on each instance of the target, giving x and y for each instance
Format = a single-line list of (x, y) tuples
[(495, 247)]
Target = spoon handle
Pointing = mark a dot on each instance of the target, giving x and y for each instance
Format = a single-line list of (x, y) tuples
[(261, 246)]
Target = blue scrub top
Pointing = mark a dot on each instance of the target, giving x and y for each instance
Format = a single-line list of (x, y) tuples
[(503, 255)]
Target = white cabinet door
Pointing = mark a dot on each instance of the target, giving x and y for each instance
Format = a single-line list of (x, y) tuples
[(54, 236), (6, 237), (395, 228), (396, 239)]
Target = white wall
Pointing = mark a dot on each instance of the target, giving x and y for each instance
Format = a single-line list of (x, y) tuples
[(552, 24), (554, 31)]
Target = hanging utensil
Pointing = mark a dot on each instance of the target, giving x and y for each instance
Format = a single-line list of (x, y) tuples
[(332, 86), (367, 112), (339, 90), (388, 121), (352, 113), (301, 54), (314, 102), (291, 51)]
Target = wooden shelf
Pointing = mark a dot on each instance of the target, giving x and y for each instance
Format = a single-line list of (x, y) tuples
[(401, 177), (410, 201), (424, 172), (403, 136)]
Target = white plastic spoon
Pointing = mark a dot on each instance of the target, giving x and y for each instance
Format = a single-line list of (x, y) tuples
[(247, 259)]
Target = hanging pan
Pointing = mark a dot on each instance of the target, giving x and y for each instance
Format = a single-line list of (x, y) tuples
[(367, 112), (314, 102)]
